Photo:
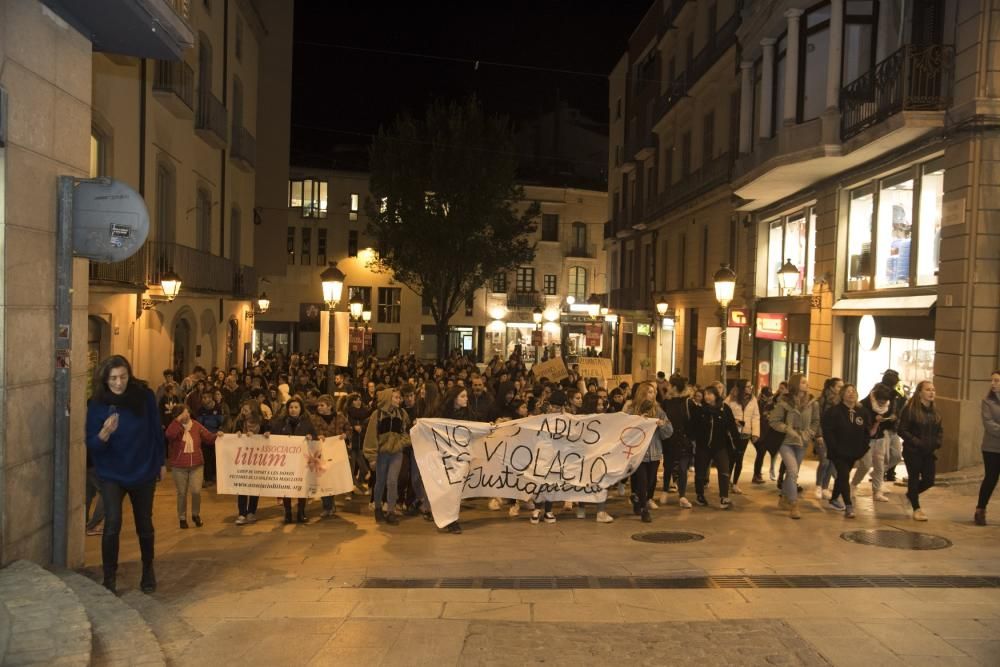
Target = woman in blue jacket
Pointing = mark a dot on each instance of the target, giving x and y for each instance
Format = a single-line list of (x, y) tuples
[(125, 441)]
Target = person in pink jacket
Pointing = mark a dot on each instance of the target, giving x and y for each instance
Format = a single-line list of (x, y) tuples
[(187, 463)]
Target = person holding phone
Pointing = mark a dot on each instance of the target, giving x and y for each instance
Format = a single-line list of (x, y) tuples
[(125, 440)]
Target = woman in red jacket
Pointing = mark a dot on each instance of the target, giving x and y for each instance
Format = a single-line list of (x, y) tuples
[(184, 439)]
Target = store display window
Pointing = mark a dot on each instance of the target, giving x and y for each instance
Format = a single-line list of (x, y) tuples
[(791, 238), (913, 358)]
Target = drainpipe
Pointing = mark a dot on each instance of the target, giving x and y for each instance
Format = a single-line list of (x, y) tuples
[(64, 316)]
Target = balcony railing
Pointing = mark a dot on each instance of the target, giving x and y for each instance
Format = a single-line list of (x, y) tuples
[(173, 82), (522, 300), (199, 270), (210, 122), (244, 148), (914, 78), (588, 250)]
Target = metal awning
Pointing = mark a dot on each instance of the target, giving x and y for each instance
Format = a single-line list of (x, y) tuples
[(912, 306)]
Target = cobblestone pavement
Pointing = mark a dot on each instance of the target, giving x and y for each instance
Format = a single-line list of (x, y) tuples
[(275, 594)]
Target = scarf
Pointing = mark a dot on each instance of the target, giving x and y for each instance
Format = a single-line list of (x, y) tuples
[(880, 410), (188, 440)]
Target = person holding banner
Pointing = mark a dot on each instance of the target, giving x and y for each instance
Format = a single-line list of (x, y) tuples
[(387, 435), (328, 423), (644, 478), (715, 432), (294, 421), (250, 421)]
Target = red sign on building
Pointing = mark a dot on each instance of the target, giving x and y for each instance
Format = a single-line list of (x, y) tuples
[(739, 317), (772, 326), (593, 335)]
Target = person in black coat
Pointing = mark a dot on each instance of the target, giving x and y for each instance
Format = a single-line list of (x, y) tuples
[(294, 421), (677, 449), (920, 429), (715, 431), (847, 429)]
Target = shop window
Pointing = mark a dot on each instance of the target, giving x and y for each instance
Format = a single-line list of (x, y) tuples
[(894, 232), (859, 239), (388, 304), (929, 230)]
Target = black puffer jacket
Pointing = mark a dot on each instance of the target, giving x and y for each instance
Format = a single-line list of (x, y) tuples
[(920, 427)]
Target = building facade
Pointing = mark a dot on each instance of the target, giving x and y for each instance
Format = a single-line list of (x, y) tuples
[(184, 135), (326, 223), (674, 109)]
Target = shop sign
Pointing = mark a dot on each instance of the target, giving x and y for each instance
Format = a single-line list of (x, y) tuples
[(772, 326), (643, 329), (593, 335), (739, 317)]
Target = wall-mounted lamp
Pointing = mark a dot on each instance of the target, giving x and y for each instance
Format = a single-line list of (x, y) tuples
[(170, 283)]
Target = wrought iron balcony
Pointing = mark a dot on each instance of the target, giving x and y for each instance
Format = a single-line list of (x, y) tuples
[(173, 85), (199, 270), (523, 300), (244, 149), (210, 122), (914, 78), (588, 250)]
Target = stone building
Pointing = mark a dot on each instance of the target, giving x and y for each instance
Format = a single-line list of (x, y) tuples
[(326, 222)]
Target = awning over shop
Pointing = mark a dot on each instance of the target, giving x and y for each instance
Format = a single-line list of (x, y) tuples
[(886, 306)]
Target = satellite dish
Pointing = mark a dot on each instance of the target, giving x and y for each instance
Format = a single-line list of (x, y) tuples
[(110, 220)]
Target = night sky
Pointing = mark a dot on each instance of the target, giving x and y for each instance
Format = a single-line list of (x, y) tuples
[(358, 64)]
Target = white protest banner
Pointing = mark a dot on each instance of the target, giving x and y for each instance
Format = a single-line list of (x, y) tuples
[(282, 466), (553, 369), (545, 457)]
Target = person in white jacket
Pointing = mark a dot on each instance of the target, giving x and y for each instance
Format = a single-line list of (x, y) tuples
[(747, 413)]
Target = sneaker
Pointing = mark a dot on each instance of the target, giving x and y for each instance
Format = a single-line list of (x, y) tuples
[(604, 517), (725, 503), (918, 515), (684, 503), (536, 516), (757, 479), (736, 490), (494, 504), (514, 510), (818, 493), (549, 517), (773, 478), (880, 497), (837, 504), (580, 512), (663, 498), (650, 505), (371, 506), (621, 488), (184, 523), (98, 530), (251, 518), (849, 512), (701, 501)]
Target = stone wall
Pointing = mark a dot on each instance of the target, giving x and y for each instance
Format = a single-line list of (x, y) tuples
[(45, 71)]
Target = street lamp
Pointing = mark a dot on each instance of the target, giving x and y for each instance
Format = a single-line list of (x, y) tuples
[(536, 315), (333, 288), (170, 283), (356, 306), (725, 287), (662, 306), (263, 303), (788, 277)]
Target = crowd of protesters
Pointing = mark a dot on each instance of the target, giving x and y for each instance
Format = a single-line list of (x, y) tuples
[(373, 404)]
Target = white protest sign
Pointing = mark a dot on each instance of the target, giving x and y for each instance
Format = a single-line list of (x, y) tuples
[(545, 457), (282, 466), (594, 367), (553, 369)]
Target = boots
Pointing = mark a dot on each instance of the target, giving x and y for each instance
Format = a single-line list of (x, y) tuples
[(148, 581), (110, 579), (288, 514), (980, 517), (301, 517), (793, 510), (379, 514)]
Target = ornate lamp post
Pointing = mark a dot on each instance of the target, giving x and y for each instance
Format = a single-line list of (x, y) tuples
[(332, 280), (725, 287)]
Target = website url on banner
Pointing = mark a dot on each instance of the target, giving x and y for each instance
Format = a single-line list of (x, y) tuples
[(238, 485)]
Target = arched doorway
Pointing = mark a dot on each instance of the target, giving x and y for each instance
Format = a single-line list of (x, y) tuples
[(183, 351)]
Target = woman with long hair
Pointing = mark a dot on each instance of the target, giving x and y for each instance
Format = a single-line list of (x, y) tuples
[(357, 417), (746, 412), (715, 431), (125, 439), (920, 429), (825, 469), (293, 420), (991, 447), (795, 414), (643, 480), (387, 435)]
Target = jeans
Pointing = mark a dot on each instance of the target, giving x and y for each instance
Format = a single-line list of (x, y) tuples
[(94, 491), (920, 471), (791, 456), (141, 497), (386, 476), (328, 503), (703, 457), (738, 453), (246, 504), (842, 480), (188, 480), (991, 462), (640, 482)]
